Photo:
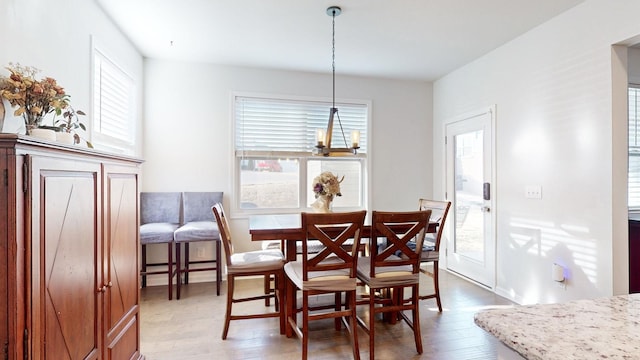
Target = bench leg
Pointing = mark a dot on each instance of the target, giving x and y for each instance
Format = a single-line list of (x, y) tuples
[(178, 270), (170, 269), (144, 265)]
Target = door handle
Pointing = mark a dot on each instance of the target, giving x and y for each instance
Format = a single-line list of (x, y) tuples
[(486, 191)]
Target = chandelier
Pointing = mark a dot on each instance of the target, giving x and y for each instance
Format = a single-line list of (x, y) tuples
[(323, 146)]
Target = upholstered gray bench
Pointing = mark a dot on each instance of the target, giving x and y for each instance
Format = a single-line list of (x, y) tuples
[(159, 218), (199, 224)]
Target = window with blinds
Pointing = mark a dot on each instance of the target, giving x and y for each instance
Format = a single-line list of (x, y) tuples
[(634, 146), (266, 125), (274, 140), (113, 106)]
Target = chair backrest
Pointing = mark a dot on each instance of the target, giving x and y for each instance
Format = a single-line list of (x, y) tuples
[(197, 205), (332, 230), (439, 212), (160, 207), (398, 228), (223, 227)]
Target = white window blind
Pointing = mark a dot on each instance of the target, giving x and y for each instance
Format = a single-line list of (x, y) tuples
[(634, 147), (113, 110), (276, 125)]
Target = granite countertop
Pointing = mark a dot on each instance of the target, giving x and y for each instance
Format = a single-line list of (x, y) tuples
[(606, 328)]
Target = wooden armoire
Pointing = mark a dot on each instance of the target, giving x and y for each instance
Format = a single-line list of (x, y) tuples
[(68, 252)]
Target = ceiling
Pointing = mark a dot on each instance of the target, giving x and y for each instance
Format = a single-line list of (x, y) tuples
[(402, 39)]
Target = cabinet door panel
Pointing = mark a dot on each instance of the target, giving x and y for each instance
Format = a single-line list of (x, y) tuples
[(66, 257), (121, 241)]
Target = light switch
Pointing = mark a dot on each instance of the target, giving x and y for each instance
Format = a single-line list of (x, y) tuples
[(533, 192)]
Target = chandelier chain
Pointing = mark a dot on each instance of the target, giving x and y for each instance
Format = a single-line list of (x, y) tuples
[(333, 70), (333, 56)]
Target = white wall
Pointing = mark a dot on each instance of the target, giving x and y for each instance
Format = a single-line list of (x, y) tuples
[(186, 134), (188, 129), (55, 37), (556, 127)]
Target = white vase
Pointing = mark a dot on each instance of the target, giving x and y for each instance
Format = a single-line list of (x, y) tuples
[(45, 134), (65, 138), (322, 205)]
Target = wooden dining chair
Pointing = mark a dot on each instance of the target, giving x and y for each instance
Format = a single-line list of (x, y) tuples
[(431, 244), (392, 267), (332, 270), (264, 263)]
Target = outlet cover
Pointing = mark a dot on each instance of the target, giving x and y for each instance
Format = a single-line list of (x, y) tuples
[(533, 192)]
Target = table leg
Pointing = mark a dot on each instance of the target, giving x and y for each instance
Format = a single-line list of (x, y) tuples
[(290, 306), (290, 252)]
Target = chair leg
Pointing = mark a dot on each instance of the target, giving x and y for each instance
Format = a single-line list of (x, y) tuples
[(415, 301), (267, 289), (305, 325), (279, 284), (144, 265), (290, 304), (186, 263), (218, 267), (227, 318), (353, 324), (372, 318), (436, 285), (337, 322), (178, 271), (278, 287), (169, 269)]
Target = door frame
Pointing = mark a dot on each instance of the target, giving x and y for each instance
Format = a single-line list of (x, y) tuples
[(491, 110)]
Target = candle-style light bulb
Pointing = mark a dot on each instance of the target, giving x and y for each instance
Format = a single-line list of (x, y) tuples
[(355, 138), (320, 137)]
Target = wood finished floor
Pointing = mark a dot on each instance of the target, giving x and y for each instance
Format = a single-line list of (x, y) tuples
[(190, 328)]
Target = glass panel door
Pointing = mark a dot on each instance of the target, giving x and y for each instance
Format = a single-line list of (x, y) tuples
[(471, 247)]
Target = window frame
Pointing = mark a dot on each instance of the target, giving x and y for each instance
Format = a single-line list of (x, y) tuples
[(302, 157), (631, 154), (100, 140)]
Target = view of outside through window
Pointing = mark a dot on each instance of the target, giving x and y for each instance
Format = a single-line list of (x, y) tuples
[(468, 194), (268, 183)]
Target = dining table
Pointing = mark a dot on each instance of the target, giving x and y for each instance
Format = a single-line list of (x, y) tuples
[(288, 229)]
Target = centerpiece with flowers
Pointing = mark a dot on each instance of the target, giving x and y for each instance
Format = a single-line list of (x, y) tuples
[(34, 99), (326, 187)]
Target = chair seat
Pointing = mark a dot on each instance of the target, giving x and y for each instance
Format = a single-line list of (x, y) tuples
[(426, 246), (430, 256), (386, 275), (156, 233), (197, 231), (335, 280), (255, 261), (271, 245), (313, 247), (429, 252)]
